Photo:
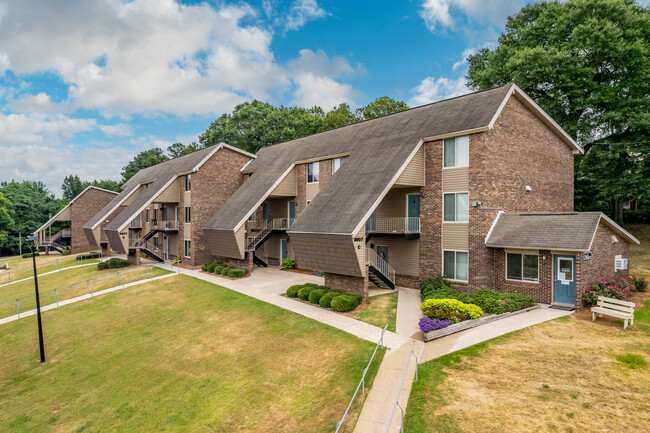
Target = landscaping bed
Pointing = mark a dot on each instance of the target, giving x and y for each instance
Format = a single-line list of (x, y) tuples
[(326, 297), (221, 269)]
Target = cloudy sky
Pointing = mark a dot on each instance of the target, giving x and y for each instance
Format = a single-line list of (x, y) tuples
[(85, 85)]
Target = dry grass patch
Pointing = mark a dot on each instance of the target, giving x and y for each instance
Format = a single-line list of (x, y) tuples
[(568, 375), (378, 310)]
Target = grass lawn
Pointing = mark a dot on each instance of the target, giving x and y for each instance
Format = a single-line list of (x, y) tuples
[(640, 254), (567, 375), (24, 268), (379, 311), (181, 355), (64, 278)]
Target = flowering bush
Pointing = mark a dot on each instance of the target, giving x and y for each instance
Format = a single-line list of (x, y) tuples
[(427, 324), (638, 284), (616, 289), (450, 309)]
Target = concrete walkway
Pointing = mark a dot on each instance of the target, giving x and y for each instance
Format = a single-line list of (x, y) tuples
[(408, 313), (48, 273), (80, 298), (268, 285)]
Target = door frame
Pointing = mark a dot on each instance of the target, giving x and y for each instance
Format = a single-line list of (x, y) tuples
[(555, 265), (407, 208), (289, 210)]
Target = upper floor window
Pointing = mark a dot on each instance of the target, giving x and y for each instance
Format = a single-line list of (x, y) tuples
[(188, 214), (456, 207), (253, 216), (146, 215), (155, 214), (188, 182), (312, 172), (457, 152), (337, 163)]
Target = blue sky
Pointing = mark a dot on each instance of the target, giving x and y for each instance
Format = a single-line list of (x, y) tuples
[(85, 85)]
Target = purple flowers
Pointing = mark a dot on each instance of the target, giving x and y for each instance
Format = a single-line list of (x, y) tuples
[(427, 324)]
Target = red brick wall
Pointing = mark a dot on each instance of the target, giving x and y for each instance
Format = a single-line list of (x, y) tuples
[(82, 210), (347, 283), (540, 291), (431, 212), (301, 188)]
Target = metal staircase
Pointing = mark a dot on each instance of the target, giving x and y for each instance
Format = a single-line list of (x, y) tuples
[(148, 248), (380, 273)]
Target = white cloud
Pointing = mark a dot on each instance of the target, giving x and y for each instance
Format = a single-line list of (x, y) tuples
[(17, 129), (443, 13), (41, 103), (463, 61), (301, 12), (436, 89), (116, 130)]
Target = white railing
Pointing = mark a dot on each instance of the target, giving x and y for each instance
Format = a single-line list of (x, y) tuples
[(261, 229), (136, 223), (380, 264), (47, 239), (393, 225), (399, 391), (171, 225)]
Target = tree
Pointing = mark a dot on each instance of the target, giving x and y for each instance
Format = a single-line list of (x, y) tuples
[(179, 149), (110, 185), (587, 63), (72, 187), (142, 160), (6, 219), (381, 107), (339, 116)]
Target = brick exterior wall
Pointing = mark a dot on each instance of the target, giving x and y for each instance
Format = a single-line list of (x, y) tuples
[(541, 291), (431, 212), (347, 283), (301, 188), (82, 210), (213, 183)]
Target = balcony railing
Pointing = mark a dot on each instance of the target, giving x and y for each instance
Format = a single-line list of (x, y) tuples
[(136, 223), (47, 239), (393, 225), (257, 231), (171, 225)]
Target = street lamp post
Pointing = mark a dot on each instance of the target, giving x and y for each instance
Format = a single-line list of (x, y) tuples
[(38, 300)]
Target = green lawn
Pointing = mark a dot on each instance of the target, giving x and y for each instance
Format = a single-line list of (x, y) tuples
[(380, 311), (64, 278), (179, 355), (24, 268)]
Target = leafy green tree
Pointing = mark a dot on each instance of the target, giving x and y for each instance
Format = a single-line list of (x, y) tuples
[(587, 63), (110, 185), (341, 115), (381, 107), (72, 186), (142, 160), (179, 149), (6, 219)]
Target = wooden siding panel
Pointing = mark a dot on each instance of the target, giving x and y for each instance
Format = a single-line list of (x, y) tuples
[(394, 203), (310, 191), (455, 179), (226, 243), (171, 194), (329, 253), (403, 254), (455, 237), (286, 188), (413, 174)]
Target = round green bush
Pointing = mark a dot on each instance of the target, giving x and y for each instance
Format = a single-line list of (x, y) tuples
[(115, 263), (311, 284), (218, 269), (305, 291), (204, 267), (102, 266), (326, 300), (358, 298), (315, 295), (343, 303), (292, 291), (224, 271), (218, 262), (210, 267), (237, 273)]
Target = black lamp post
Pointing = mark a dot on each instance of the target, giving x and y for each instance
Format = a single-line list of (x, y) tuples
[(38, 299)]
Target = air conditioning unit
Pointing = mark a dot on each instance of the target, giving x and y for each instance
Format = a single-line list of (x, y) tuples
[(620, 264)]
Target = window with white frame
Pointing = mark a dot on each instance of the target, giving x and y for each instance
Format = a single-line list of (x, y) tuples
[(188, 248), (155, 243), (308, 201), (337, 163), (312, 172), (455, 265), (188, 182), (146, 215), (456, 152), (456, 207), (188, 214), (522, 267), (253, 216)]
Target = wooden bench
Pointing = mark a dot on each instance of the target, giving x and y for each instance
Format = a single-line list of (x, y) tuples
[(615, 308)]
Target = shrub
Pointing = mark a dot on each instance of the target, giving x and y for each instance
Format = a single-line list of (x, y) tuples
[(225, 270), (450, 309), (210, 267), (292, 291), (315, 295), (617, 289), (237, 273), (217, 269), (436, 288), (218, 263), (28, 255), (638, 284), (326, 300), (204, 267), (102, 266), (94, 255), (311, 284), (427, 325), (66, 252), (305, 291), (116, 263), (358, 298), (343, 303), (288, 264)]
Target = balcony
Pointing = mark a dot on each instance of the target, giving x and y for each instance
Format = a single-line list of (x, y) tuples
[(136, 224), (408, 227)]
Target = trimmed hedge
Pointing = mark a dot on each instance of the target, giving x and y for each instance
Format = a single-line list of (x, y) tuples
[(356, 296), (210, 267), (292, 291), (315, 295), (326, 300), (28, 255), (94, 255), (305, 291), (450, 309), (218, 269), (311, 285), (237, 272), (113, 263), (343, 303), (225, 270)]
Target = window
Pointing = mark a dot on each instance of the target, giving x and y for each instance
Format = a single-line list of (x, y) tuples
[(522, 267), (456, 207), (188, 214), (253, 216), (457, 152), (312, 172), (337, 163), (455, 265), (188, 182), (308, 201), (188, 248), (155, 243), (155, 215), (146, 215)]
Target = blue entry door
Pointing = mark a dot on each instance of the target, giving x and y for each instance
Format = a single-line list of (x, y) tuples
[(267, 213), (413, 212), (292, 211), (564, 285), (284, 248)]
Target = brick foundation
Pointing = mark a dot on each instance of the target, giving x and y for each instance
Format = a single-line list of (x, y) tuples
[(347, 283), (134, 258)]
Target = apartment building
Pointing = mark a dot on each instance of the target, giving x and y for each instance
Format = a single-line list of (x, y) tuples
[(79, 211), (161, 209), (423, 192)]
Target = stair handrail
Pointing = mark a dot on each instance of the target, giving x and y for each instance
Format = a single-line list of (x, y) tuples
[(253, 241), (380, 264)]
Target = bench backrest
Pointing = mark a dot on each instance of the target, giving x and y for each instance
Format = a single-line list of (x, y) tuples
[(616, 304)]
